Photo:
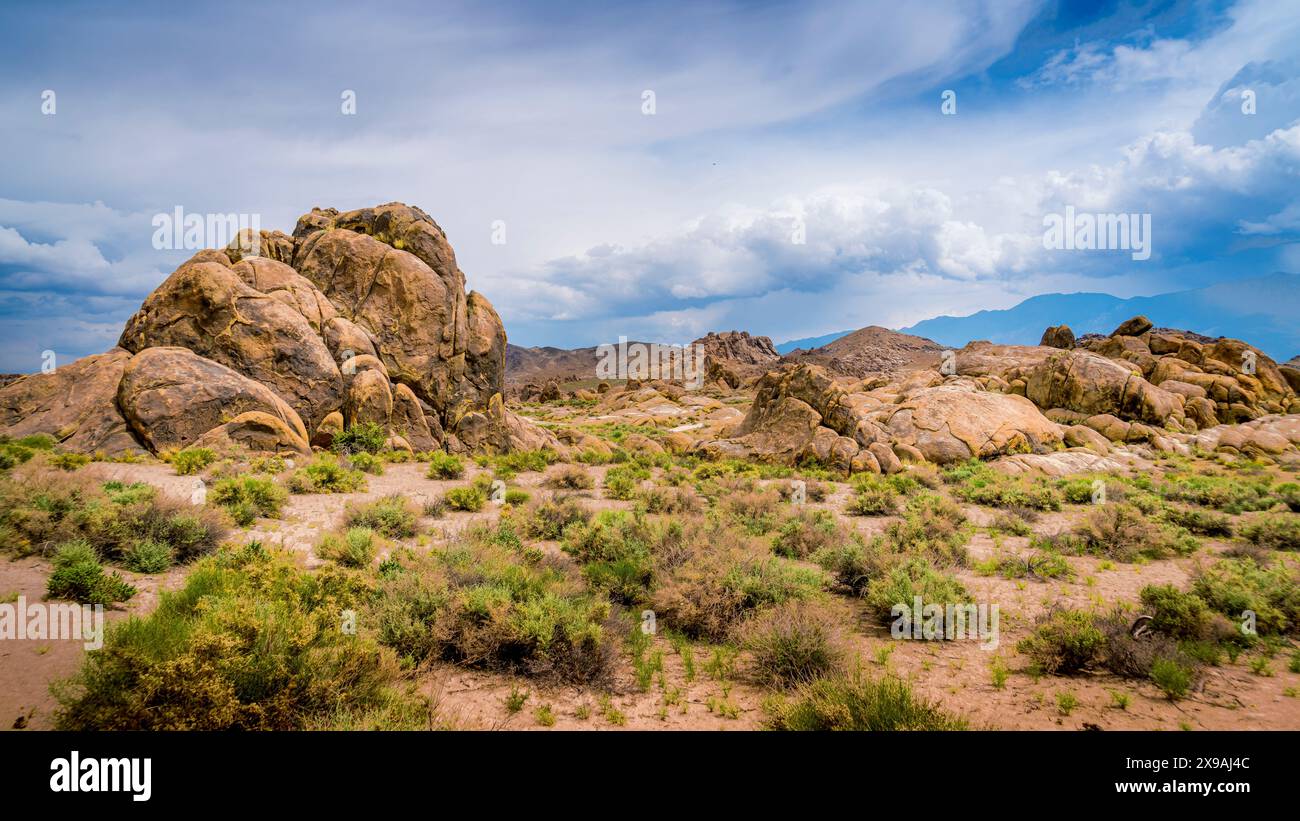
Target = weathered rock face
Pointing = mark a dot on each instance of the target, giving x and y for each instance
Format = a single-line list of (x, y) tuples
[(1091, 384), (76, 404), (803, 413), (1058, 336), (172, 396), (359, 317), (207, 308), (739, 347), (391, 271)]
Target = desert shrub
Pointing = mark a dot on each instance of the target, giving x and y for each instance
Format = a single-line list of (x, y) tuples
[(853, 701), (670, 500), (355, 547), (1231, 494), (40, 509), (517, 496), (1201, 522), (756, 512), (392, 516), (266, 464), (78, 576), (931, 527), (707, 595), (192, 460), (976, 482), (1122, 532), (363, 437), (873, 499), (466, 497), (1064, 641), (1278, 532), (792, 643), (1289, 494), (853, 563), (569, 477), (1175, 613), (366, 463), (443, 465), (621, 481), (326, 475), (481, 604), (524, 461), (547, 518), (807, 532), (147, 556), (1041, 564), (250, 642), (1172, 676), (1013, 522), (912, 577), (1233, 586), (814, 491), (68, 460), (248, 498)]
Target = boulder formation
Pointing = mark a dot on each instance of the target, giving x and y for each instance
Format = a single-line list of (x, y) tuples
[(358, 317)]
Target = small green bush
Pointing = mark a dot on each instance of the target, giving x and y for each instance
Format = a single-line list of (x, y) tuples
[(467, 497), (444, 465), (394, 516), (354, 548), (192, 460), (1063, 642), (249, 497), (326, 475), (1278, 532), (852, 701), (79, 577), (366, 437), (147, 556)]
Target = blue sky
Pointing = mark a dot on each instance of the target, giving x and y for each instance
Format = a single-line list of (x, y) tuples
[(772, 120)]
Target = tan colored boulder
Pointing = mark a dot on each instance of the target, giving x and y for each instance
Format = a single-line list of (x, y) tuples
[(76, 404), (254, 431), (908, 453), (1090, 383), (391, 270), (1136, 326), (637, 444), (346, 339), (278, 280), (865, 462), (954, 422), (330, 426), (172, 396), (369, 399), (1058, 336), (886, 460), (1081, 436), (207, 308), (408, 421)]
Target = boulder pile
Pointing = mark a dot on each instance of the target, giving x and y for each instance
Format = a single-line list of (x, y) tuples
[(358, 317)]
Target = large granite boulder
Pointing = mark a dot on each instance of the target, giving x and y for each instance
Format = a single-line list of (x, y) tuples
[(172, 396), (76, 404)]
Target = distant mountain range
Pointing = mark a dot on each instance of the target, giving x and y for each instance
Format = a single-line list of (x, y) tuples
[(1264, 311)]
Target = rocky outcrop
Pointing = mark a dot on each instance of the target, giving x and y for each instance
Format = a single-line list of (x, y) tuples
[(207, 308), (76, 404), (172, 396), (803, 413), (1058, 336), (358, 317)]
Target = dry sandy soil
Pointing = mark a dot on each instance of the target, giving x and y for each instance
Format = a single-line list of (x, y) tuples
[(954, 673)]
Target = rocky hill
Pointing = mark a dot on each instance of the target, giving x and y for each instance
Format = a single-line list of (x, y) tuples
[(870, 350), (359, 316)]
